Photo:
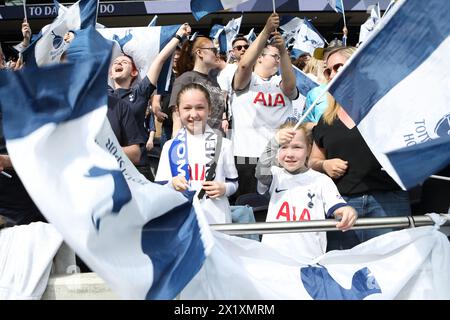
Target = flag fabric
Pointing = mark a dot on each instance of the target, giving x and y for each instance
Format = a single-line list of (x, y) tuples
[(368, 26), (396, 89), (143, 44), (226, 34), (406, 264), (290, 27), (337, 5), (201, 8), (307, 39), (304, 85), (143, 239), (389, 7), (251, 36), (26, 255), (49, 45)]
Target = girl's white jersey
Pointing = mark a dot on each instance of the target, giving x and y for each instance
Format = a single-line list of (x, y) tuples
[(201, 150), (257, 112), (301, 197)]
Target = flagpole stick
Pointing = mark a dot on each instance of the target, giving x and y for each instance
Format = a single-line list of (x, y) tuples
[(273, 5), (308, 111), (25, 10), (6, 174)]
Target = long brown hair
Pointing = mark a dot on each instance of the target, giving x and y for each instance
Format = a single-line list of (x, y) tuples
[(186, 61)]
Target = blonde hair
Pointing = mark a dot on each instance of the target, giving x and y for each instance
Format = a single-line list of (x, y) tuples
[(291, 123), (315, 67), (331, 112)]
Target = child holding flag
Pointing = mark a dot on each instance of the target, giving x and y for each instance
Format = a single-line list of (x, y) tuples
[(298, 193), (199, 158)]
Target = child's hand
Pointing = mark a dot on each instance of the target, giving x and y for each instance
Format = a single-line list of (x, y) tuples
[(180, 183), (214, 189), (285, 136), (347, 217)]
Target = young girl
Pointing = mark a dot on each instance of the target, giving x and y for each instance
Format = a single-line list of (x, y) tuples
[(186, 160), (298, 193)]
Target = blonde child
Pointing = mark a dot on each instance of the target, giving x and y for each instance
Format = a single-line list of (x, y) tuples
[(189, 160), (298, 193)]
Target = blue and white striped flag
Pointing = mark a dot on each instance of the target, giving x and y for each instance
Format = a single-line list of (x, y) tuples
[(143, 44), (304, 85), (49, 45), (396, 88), (251, 36), (225, 34), (337, 5), (145, 240), (201, 8)]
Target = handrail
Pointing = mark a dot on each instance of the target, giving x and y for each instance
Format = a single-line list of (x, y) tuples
[(325, 225)]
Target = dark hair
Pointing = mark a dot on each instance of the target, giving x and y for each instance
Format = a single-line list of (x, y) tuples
[(194, 86), (238, 37)]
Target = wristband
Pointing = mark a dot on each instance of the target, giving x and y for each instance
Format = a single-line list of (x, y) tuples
[(178, 37)]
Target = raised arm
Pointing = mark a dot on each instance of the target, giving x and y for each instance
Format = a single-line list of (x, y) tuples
[(244, 71), (288, 84), (157, 64)]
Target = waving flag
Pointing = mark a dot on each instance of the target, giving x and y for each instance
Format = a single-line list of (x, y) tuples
[(143, 44), (201, 8), (405, 264), (49, 44), (251, 36), (145, 240), (290, 27), (396, 88), (370, 24), (225, 34), (304, 85), (337, 5), (307, 39)]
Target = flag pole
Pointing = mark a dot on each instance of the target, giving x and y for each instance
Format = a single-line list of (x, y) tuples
[(273, 5), (25, 10), (308, 111)]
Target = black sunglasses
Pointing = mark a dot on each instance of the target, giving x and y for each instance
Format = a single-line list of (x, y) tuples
[(239, 47)]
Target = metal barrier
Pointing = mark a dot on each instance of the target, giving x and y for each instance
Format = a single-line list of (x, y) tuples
[(325, 225)]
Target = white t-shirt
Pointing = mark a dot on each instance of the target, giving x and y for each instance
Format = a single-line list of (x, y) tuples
[(295, 197), (200, 150), (257, 113)]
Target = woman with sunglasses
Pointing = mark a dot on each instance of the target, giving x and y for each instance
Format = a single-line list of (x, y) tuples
[(197, 58), (340, 151)]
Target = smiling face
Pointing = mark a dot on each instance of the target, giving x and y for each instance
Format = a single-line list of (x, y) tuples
[(123, 69), (292, 156), (194, 109)]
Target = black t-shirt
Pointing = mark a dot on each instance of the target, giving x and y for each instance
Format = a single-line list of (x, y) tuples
[(364, 172), (123, 123), (15, 203), (137, 97)]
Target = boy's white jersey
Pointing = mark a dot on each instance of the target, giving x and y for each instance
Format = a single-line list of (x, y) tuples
[(295, 197), (201, 149), (257, 112)]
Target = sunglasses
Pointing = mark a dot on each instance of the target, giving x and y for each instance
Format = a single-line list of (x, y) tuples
[(214, 50), (335, 68), (239, 47)]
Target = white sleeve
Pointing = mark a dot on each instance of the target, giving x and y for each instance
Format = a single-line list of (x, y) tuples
[(163, 174), (331, 197), (229, 168)]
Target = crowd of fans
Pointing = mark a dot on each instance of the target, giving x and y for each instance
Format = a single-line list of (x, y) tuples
[(235, 111)]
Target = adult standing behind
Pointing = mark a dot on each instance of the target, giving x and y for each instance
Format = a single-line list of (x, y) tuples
[(340, 151), (198, 57), (124, 73), (262, 100)]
